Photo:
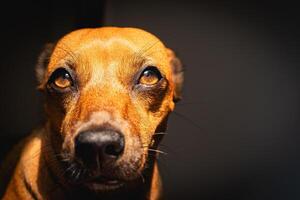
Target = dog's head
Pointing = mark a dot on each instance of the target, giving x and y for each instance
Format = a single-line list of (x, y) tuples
[(108, 95)]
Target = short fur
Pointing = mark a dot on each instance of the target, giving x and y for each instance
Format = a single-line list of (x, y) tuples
[(105, 64)]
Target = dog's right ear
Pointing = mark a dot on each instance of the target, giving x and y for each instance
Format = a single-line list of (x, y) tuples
[(42, 63), (178, 75)]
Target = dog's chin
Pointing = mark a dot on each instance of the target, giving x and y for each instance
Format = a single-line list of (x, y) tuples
[(109, 181)]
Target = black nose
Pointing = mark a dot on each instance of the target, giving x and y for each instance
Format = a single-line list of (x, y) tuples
[(99, 147)]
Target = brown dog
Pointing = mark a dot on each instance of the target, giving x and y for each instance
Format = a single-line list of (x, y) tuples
[(108, 92)]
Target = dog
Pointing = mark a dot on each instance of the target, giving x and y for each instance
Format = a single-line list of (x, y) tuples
[(108, 94)]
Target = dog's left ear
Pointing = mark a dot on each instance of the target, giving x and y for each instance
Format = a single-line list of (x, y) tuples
[(178, 75), (42, 63)]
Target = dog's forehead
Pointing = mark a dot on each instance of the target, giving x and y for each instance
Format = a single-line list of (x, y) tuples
[(110, 42)]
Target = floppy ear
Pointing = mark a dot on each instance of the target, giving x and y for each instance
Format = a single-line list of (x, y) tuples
[(42, 62), (178, 77)]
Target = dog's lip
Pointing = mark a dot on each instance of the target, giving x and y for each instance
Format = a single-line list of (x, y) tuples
[(105, 180), (101, 182)]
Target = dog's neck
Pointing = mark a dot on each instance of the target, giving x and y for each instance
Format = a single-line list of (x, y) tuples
[(150, 179)]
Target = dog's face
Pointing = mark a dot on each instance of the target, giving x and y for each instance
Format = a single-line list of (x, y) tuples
[(108, 93)]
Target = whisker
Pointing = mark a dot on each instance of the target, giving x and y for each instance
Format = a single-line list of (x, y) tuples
[(74, 172), (78, 174), (71, 167), (69, 52), (170, 149), (146, 48), (142, 177), (65, 159), (98, 163), (187, 119), (157, 151)]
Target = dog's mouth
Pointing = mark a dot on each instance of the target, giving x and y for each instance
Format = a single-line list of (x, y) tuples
[(102, 182)]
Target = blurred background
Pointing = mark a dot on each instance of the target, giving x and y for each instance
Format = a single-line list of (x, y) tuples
[(235, 134)]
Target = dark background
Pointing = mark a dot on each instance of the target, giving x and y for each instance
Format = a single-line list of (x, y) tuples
[(235, 135)]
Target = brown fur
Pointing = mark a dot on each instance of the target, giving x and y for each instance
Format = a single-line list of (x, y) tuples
[(105, 63)]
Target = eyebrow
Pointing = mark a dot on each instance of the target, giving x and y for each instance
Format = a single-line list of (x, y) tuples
[(139, 60)]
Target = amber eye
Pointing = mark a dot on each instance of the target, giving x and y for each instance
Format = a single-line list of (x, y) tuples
[(150, 76), (61, 79)]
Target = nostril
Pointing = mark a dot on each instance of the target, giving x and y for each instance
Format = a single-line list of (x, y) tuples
[(84, 148), (113, 150)]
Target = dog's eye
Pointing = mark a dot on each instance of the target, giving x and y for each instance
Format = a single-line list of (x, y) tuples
[(150, 76), (61, 79)]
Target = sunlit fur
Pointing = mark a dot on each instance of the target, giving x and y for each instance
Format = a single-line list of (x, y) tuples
[(105, 63)]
